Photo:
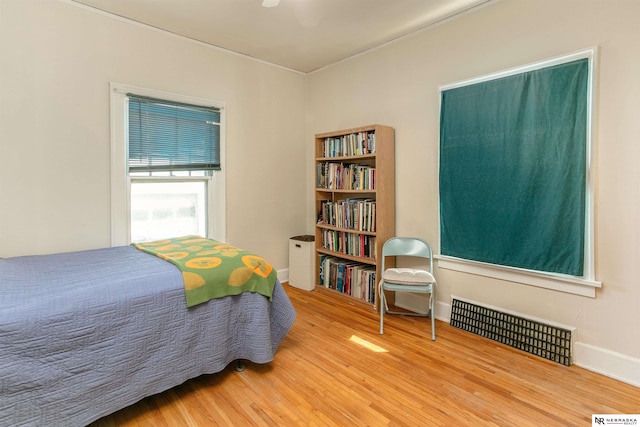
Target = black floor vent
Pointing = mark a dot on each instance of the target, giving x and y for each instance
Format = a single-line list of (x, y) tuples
[(542, 340)]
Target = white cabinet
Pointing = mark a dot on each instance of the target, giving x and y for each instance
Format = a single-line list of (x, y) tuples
[(302, 262)]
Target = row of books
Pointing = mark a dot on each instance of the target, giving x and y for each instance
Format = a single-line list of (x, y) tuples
[(351, 278), (353, 213), (353, 244), (355, 144), (340, 176)]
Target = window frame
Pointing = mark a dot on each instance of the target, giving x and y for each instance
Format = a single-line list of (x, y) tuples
[(120, 179), (585, 285)]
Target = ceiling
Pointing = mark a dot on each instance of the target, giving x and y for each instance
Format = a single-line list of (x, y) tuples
[(302, 35)]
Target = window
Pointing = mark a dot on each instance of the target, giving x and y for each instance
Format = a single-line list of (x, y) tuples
[(167, 177), (514, 163), (162, 209)]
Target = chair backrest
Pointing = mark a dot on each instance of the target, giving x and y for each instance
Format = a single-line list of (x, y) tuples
[(407, 246)]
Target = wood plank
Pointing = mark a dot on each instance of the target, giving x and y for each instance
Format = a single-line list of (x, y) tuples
[(320, 377)]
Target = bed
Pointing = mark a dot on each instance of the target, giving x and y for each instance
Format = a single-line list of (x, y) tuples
[(84, 334)]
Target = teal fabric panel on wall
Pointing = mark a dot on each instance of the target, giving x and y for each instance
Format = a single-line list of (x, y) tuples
[(513, 169)]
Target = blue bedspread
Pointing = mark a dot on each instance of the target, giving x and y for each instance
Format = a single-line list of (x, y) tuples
[(85, 334)]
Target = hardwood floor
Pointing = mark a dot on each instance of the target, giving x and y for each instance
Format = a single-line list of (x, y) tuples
[(325, 373)]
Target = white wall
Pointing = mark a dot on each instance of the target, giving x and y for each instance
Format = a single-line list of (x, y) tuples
[(397, 85), (56, 64)]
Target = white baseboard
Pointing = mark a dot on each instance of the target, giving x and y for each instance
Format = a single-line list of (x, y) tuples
[(283, 275), (443, 311), (608, 363)]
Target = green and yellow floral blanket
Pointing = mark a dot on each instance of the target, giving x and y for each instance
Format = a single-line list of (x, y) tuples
[(213, 269)]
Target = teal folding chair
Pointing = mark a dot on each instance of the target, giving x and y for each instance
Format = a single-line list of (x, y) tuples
[(412, 280)]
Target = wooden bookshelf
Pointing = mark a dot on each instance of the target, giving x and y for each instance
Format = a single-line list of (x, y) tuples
[(355, 208)]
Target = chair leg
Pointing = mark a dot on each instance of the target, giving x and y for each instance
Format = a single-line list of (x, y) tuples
[(432, 315), (433, 330), (381, 301)]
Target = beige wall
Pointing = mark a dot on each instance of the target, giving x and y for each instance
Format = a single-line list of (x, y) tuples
[(56, 62), (397, 85)]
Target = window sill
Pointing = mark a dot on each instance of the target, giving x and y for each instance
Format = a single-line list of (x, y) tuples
[(557, 282)]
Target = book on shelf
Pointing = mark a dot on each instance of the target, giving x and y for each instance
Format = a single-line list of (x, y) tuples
[(353, 144), (347, 277), (341, 176), (357, 214), (353, 244)]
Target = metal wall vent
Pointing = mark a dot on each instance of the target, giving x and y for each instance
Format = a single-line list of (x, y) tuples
[(549, 342)]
